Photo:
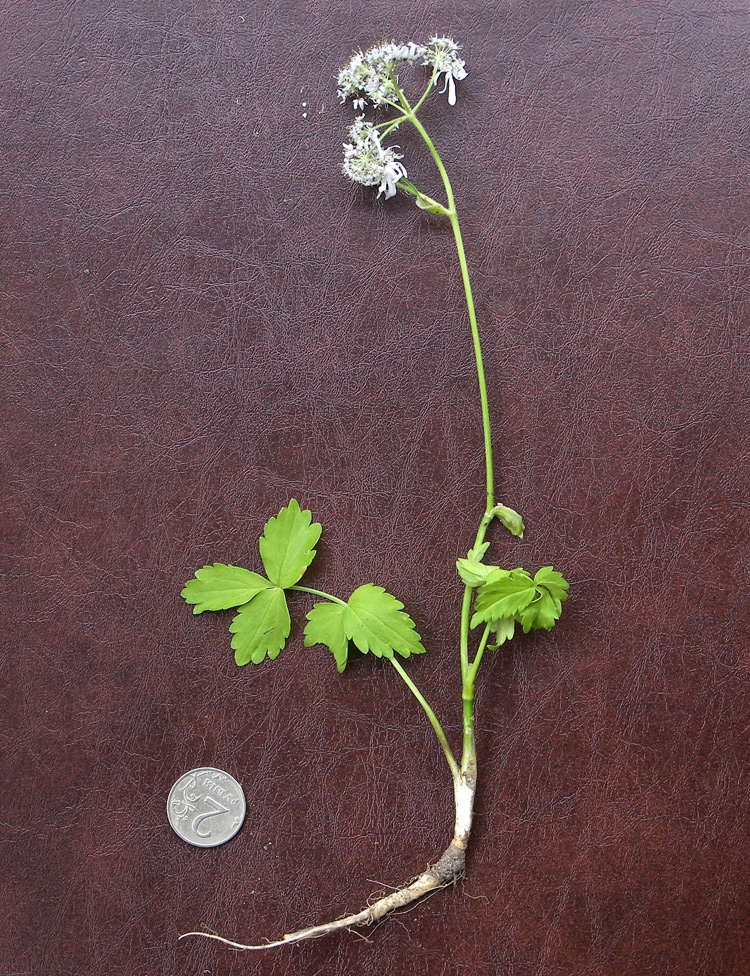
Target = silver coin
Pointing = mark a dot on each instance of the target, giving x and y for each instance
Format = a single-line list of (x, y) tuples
[(206, 807)]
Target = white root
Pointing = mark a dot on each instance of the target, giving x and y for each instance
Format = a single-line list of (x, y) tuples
[(447, 869)]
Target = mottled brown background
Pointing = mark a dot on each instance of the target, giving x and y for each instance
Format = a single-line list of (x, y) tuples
[(201, 319)]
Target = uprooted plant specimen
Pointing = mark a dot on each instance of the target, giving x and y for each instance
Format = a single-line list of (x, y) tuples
[(497, 602)]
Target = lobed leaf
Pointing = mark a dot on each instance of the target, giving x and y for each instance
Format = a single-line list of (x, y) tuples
[(510, 597), (221, 587), (325, 625), (541, 613), (553, 581), (474, 573), (377, 623), (502, 631), (503, 595), (261, 627), (287, 544)]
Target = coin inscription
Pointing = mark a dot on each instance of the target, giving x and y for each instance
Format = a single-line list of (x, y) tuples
[(206, 807)]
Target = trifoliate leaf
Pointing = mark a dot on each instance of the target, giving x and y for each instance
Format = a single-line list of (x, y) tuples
[(502, 631), (261, 627), (325, 625), (541, 613), (503, 595), (377, 622), (474, 573), (221, 587), (510, 519), (553, 581), (287, 544)]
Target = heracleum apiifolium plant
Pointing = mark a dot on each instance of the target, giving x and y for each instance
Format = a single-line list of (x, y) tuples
[(497, 602)]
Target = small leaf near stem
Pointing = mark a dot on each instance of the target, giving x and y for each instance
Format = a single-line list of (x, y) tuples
[(510, 519), (537, 603), (472, 572), (422, 200)]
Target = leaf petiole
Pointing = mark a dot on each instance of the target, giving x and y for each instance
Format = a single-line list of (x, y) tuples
[(321, 593), (469, 682), (453, 765)]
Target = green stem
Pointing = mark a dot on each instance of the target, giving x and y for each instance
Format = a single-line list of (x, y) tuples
[(468, 592), (405, 106), (427, 91), (478, 659), (484, 399), (469, 752), (326, 596), (391, 124), (468, 671), (430, 715)]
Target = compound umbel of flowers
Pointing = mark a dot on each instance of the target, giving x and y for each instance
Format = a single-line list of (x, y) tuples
[(371, 80)]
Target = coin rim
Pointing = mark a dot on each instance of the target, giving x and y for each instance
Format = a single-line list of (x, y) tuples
[(204, 769)]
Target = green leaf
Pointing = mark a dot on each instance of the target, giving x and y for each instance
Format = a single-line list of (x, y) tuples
[(221, 587), (287, 544), (541, 613), (376, 622), (553, 581), (502, 631), (503, 596), (510, 519), (325, 625), (474, 573), (475, 554), (261, 627)]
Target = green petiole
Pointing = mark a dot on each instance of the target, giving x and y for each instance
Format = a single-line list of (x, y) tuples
[(430, 715), (320, 593)]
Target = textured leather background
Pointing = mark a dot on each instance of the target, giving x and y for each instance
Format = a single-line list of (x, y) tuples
[(201, 319)]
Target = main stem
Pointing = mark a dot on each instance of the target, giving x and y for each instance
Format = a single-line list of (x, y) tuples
[(468, 669), (484, 399)]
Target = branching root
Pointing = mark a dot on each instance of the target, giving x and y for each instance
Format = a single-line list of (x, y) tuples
[(445, 871), (448, 868)]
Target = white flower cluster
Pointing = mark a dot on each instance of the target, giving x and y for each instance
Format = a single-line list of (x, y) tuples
[(371, 77), (443, 56), (368, 162)]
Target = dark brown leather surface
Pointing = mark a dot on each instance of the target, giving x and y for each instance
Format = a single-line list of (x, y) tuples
[(201, 319)]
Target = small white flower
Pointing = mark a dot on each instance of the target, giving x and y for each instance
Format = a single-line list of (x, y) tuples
[(442, 54), (368, 162), (393, 171)]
